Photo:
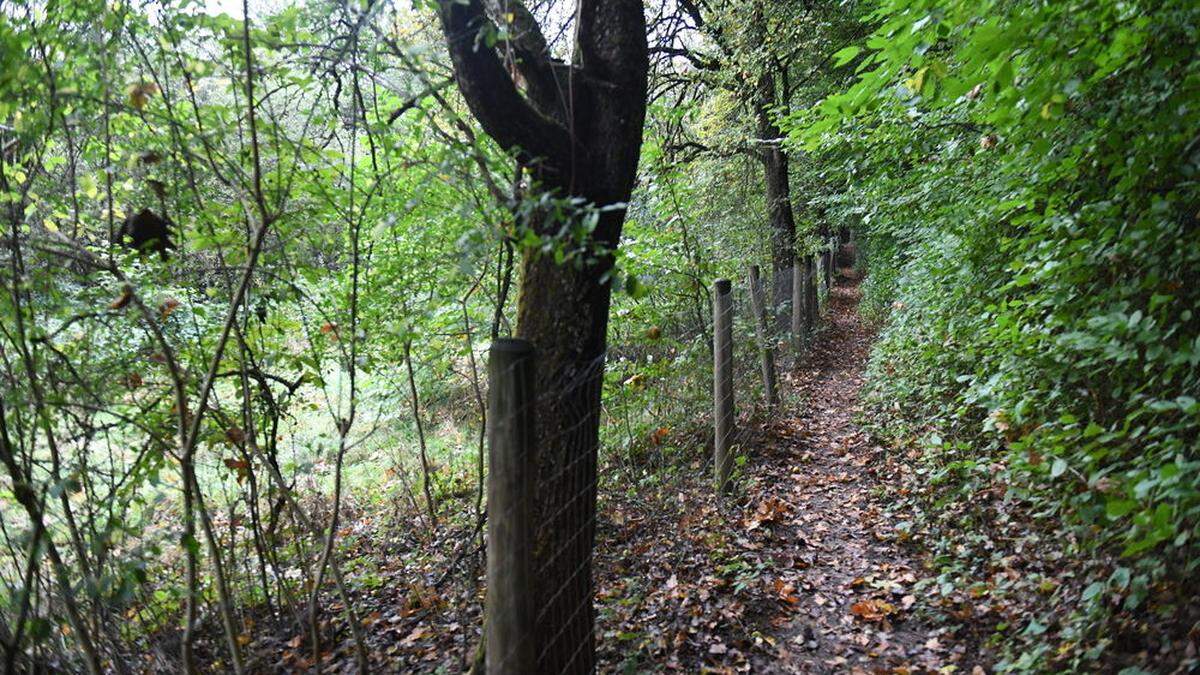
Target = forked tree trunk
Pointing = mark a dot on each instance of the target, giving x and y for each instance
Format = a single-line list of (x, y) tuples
[(563, 311), (580, 128)]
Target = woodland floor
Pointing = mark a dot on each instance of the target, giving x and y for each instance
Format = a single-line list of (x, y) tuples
[(805, 573), (802, 571)]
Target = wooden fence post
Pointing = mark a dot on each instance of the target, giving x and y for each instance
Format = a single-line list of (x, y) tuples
[(766, 350), (509, 623), (830, 261), (810, 295), (819, 282), (799, 317), (723, 420)]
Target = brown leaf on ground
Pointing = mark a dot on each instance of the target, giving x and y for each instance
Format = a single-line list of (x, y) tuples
[(768, 511), (872, 610), (786, 592)]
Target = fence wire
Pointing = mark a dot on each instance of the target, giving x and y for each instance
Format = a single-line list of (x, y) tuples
[(551, 522), (545, 622)]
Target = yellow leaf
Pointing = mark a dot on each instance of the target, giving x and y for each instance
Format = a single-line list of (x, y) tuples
[(917, 81), (139, 94), (88, 184)]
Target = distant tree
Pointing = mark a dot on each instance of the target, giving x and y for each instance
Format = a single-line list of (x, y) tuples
[(760, 51)]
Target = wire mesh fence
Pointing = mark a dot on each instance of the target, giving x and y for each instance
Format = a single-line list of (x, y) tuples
[(545, 470), (542, 489)]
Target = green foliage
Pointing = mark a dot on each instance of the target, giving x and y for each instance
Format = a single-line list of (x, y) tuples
[(394, 236), (1025, 177)]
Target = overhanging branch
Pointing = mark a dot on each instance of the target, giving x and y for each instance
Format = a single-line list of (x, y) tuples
[(492, 96)]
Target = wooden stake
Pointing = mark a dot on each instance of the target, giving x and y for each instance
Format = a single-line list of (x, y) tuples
[(766, 350), (723, 415), (509, 624)]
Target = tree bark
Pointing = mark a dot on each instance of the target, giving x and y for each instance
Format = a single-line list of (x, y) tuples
[(582, 140), (778, 199)]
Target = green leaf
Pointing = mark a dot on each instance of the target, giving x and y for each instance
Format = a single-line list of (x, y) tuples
[(635, 288), (190, 544), (1119, 508), (844, 56), (1058, 468)]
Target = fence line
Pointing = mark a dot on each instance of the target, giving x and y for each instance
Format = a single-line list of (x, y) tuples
[(542, 478)]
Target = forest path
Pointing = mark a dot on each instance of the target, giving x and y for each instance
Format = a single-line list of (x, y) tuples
[(851, 581), (803, 570)]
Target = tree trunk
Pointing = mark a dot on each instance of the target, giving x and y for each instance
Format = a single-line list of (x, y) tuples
[(579, 127), (564, 311), (779, 201)]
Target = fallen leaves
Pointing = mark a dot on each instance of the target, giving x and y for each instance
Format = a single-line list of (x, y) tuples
[(416, 634), (786, 591), (769, 511), (659, 435), (872, 610)]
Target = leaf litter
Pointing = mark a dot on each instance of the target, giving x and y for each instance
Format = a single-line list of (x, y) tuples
[(807, 570)]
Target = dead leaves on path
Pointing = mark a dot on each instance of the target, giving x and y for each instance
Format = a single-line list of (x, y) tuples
[(769, 510), (872, 610), (786, 592), (805, 575)]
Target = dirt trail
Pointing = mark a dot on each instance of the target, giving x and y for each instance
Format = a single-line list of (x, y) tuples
[(802, 572), (853, 579)]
